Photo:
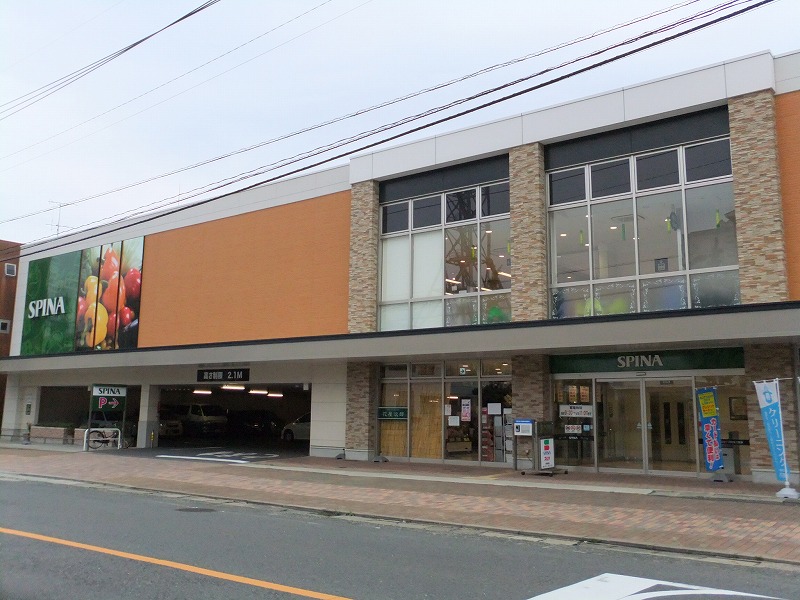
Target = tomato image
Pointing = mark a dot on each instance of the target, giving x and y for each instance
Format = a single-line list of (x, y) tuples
[(126, 316), (110, 265), (133, 283), (114, 296), (112, 325), (96, 326)]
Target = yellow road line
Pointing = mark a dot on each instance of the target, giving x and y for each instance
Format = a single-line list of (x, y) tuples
[(176, 565)]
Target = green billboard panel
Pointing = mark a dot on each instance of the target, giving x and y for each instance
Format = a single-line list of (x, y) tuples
[(48, 326)]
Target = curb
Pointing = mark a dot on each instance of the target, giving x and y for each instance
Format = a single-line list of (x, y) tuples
[(533, 535)]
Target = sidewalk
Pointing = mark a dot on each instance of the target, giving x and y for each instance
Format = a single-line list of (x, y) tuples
[(735, 520)]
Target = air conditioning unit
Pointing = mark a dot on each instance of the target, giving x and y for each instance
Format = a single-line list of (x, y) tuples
[(10, 269)]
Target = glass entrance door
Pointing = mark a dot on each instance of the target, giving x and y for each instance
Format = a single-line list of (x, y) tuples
[(619, 425), (672, 442), (646, 425)]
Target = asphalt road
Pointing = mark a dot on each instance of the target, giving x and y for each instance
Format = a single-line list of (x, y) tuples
[(155, 545)]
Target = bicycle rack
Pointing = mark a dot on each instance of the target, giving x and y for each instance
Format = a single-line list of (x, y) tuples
[(104, 430)]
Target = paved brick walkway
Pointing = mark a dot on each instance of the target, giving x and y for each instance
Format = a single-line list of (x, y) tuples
[(731, 520)]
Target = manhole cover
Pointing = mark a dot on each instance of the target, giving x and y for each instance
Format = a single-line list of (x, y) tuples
[(195, 509)]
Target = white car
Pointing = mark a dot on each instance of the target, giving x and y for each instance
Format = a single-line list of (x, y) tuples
[(299, 429)]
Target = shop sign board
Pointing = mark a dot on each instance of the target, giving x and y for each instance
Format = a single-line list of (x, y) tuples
[(397, 413), (575, 410), (222, 375), (710, 427), (84, 300), (109, 397), (523, 427), (547, 458), (646, 361)]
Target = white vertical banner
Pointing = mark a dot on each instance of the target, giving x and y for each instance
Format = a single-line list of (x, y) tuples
[(769, 401)]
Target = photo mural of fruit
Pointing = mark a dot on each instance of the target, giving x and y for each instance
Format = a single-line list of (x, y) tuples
[(107, 310)]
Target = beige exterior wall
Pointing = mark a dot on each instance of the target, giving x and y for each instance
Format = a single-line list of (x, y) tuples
[(757, 197), (528, 233), (364, 242)]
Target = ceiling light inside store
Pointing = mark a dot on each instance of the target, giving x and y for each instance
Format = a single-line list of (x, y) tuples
[(262, 392), (275, 394), (206, 392), (228, 386)]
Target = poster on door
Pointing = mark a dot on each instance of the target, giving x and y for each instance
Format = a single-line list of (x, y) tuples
[(466, 410)]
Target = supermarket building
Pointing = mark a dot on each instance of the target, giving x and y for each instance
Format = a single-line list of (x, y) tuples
[(589, 265)]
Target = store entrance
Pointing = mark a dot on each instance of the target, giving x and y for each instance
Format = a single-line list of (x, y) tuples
[(646, 425)]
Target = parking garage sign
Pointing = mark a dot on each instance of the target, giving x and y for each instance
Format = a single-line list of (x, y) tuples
[(109, 397)]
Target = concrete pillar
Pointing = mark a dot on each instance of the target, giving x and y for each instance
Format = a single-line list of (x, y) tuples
[(531, 399), (147, 436), (362, 314), (362, 412), (757, 199), (529, 295)]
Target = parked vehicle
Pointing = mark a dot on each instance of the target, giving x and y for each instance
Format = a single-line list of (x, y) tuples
[(203, 419), (169, 425), (112, 419), (255, 423), (299, 429)]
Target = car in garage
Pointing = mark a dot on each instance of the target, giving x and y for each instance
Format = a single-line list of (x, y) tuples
[(254, 423), (169, 425), (202, 419), (299, 429)]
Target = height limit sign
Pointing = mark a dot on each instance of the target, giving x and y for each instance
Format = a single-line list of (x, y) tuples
[(109, 397)]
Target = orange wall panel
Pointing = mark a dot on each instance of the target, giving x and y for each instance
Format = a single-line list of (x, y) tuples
[(275, 273), (787, 108)]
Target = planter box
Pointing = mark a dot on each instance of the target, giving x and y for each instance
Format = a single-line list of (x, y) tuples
[(46, 435)]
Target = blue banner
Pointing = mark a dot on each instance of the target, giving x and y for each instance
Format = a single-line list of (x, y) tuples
[(710, 427), (769, 400)]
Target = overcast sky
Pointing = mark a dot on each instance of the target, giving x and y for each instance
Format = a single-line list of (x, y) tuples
[(128, 121)]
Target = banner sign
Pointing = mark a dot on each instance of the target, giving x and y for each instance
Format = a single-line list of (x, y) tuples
[(710, 427), (769, 400), (85, 300), (109, 397)]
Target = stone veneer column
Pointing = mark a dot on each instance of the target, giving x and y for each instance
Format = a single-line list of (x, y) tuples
[(361, 419), (768, 362), (528, 233), (362, 315), (757, 197), (531, 398)]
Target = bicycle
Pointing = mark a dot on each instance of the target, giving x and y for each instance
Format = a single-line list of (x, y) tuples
[(98, 438)]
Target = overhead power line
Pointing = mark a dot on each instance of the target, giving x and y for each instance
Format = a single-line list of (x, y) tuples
[(358, 112), (37, 95), (30, 249), (166, 83)]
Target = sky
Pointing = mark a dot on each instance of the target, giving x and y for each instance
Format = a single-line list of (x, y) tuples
[(244, 72)]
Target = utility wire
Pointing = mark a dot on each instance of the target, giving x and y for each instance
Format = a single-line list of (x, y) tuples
[(29, 249), (37, 95), (166, 83), (363, 135), (357, 112)]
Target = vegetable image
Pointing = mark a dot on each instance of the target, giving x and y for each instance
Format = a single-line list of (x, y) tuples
[(96, 325)]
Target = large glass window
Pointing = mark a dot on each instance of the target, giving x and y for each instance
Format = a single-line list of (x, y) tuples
[(456, 410), (452, 266), (667, 244)]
